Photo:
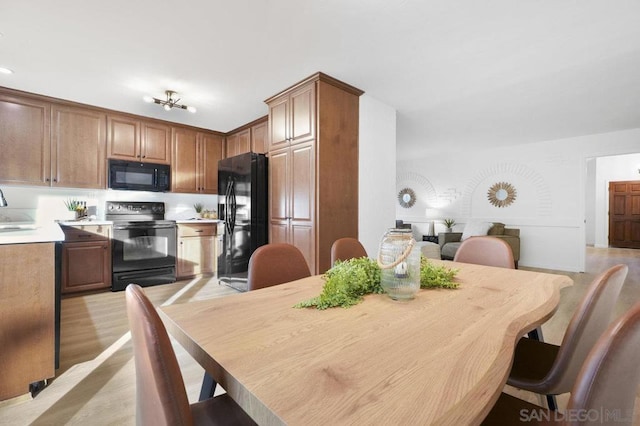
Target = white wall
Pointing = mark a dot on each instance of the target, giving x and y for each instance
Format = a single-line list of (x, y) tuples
[(608, 169), (377, 170), (550, 179), (590, 202)]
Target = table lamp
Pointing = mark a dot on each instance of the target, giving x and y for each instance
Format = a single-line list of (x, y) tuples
[(431, 214)]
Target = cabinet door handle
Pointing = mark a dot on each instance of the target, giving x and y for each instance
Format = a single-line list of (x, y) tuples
[(55, 180), (199, 230), (47, 180), (105, 247), (85, 236)]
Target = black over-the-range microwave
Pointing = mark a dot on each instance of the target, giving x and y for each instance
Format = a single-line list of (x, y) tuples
[(139, 176)]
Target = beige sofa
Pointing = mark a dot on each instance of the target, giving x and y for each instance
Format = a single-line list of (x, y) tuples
[(450, 241)]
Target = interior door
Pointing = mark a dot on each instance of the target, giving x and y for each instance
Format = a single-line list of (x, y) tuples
[(624, 214)]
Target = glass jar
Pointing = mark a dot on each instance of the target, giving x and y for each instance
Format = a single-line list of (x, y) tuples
[(399, 261)]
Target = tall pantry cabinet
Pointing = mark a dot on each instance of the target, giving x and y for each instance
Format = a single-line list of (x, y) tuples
[(313, 166)]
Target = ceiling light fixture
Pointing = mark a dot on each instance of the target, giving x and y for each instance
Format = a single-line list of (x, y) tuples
[(170, 102), (5, 71)]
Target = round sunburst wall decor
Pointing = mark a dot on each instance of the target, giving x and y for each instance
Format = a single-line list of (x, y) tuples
[(407, 198), (501, 194)]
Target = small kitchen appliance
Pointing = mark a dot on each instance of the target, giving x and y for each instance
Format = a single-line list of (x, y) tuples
[(130, 175)]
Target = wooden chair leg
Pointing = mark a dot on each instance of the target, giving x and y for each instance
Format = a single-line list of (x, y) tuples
[(208, 387)]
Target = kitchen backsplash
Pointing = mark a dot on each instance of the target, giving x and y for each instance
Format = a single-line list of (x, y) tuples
[(47, 204)]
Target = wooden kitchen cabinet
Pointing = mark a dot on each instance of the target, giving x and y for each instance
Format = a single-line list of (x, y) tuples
[(238, 143), (86, 258), (259, 137), (292, 116), (129, 138), (77, 147), (195, 159), (25, 140), (251, 137), (27, 309), (292, 198), (196, 249), (313, 167), (48, 144)]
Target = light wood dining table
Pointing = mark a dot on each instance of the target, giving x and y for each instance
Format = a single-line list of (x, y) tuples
[(441, 358)]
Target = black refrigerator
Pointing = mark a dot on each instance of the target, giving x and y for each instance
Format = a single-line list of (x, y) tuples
[(242, 205)]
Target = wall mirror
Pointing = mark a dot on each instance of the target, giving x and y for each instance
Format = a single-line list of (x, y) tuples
[(501, 194), (407, 198)]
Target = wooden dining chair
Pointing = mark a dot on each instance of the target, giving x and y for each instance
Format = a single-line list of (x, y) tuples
[(550, 369), (161, 398), (347, 248), (605, 388), (488, 251), (273, 264)]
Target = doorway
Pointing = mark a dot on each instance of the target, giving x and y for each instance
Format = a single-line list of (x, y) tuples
[(624, 214)]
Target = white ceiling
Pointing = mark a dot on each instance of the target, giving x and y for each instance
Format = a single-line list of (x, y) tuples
[(459, 73)]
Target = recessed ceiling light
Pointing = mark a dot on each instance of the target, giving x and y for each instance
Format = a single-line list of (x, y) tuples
[(5, 71)]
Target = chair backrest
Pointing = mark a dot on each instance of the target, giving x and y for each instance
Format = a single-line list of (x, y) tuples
[(346, 248), (161, 398), (273, 264), (605, 389), (591, 317), (489, 251)]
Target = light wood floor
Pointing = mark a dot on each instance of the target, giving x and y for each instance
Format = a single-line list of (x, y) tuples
[(96, 382)]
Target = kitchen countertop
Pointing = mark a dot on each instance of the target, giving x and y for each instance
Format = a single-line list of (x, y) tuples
[(85, 222), (38, 233), (198, 221)]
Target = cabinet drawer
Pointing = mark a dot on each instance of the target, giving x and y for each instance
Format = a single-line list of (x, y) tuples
[(197, 230), (86, 232)]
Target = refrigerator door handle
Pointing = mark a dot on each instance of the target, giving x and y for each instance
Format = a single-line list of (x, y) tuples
[(234, 205), (227, 195)]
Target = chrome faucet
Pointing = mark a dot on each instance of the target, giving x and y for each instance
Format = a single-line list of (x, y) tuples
[(3, 201)]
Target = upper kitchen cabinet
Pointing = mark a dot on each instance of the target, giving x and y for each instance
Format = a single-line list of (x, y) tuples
[(77, 147), (195, 159), (25, 140), (292, 116), (313, 166), (138, 140), (50, 144), (259, 137), (251, 137), (210, 151), (238, 142)]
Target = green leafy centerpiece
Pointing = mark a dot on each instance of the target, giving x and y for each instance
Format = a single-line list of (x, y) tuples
[(348, 281), (434, 276)]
